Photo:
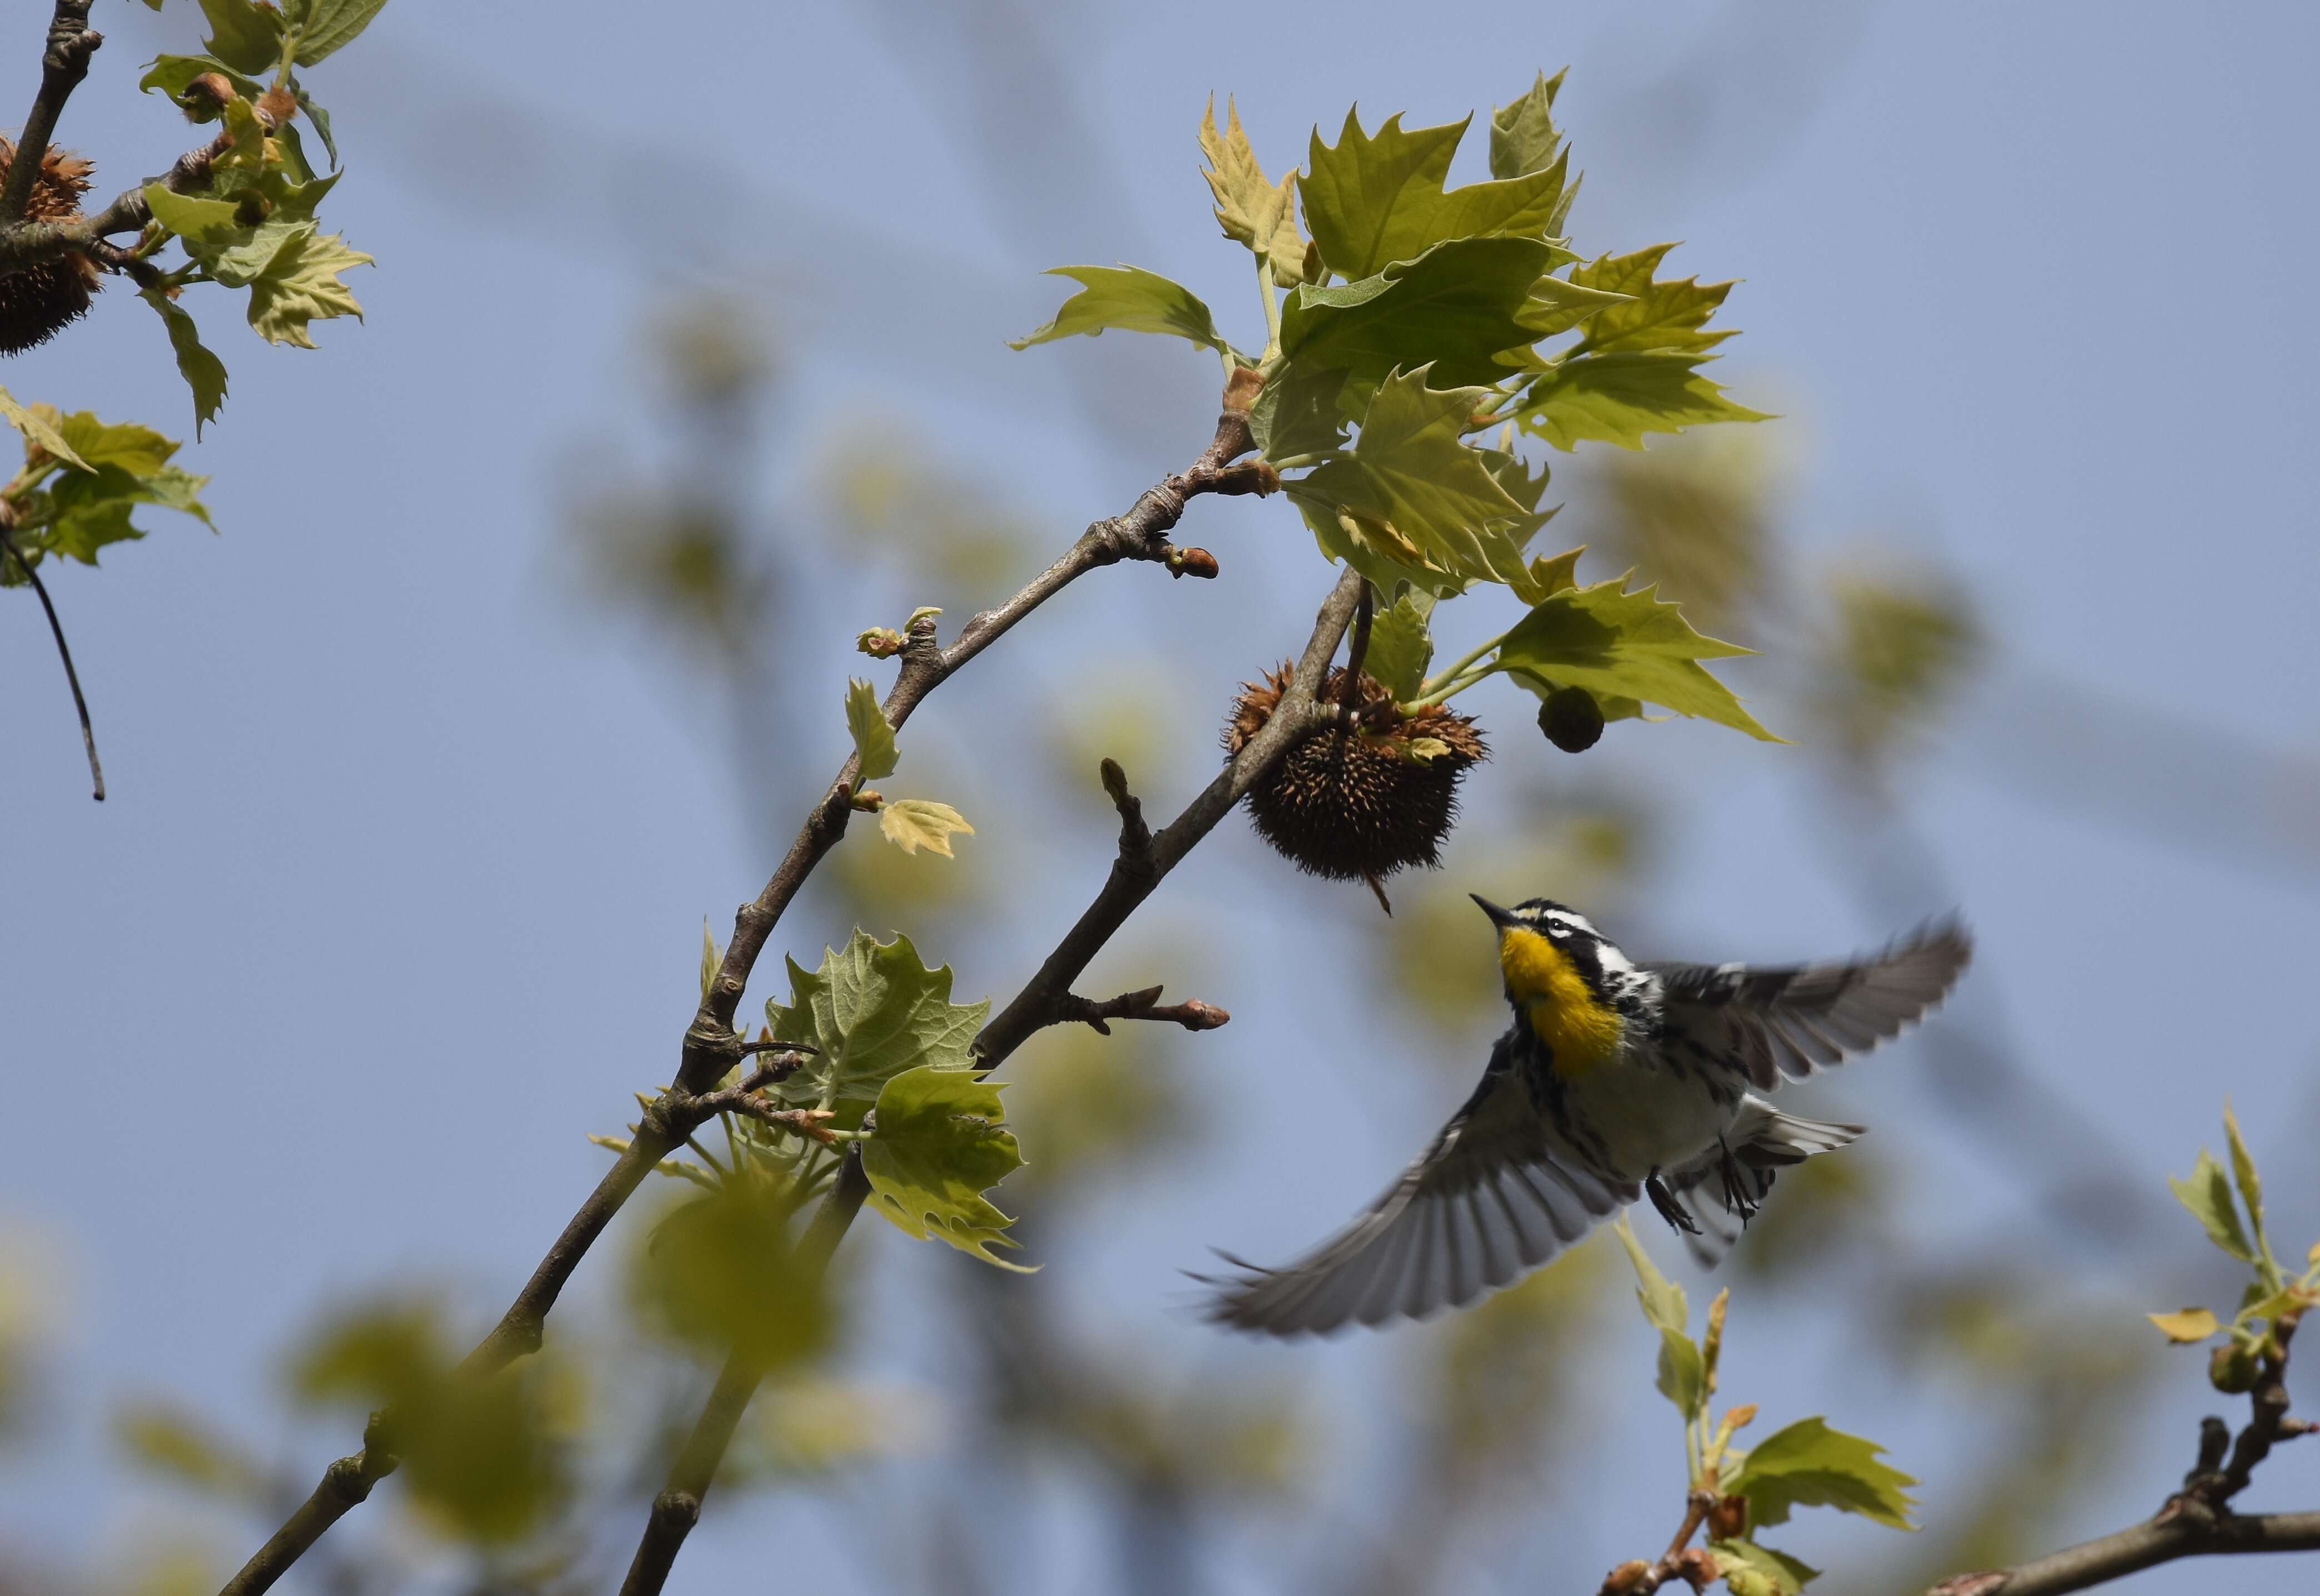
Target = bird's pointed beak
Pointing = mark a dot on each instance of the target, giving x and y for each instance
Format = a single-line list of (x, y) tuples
[(1500, 917)]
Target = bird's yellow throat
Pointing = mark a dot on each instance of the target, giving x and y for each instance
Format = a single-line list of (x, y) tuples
[(1580, 1030)]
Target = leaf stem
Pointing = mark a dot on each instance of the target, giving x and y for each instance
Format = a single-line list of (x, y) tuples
[(64, 652), (1271, 294)]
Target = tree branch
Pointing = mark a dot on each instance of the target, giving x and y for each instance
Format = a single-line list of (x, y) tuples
[(63, 64), (1144, 860), (2197, 1520), (710, 1048), (64, 652), (1194, 1015)]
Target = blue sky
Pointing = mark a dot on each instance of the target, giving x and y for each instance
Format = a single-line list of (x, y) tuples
[(399, 890)]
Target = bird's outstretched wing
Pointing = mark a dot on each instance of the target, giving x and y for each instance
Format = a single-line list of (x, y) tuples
[(1789, 1022), (1488, 1201)]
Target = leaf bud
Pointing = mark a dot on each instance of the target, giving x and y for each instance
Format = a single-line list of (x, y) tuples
[(1629, 1575), (2231, 1368), (1249, 476), (880, 642), (869, 801), (1191, 562), (1728, 1518), (1698, 1567), (1746, 1578), (1242, 387), (276, 106), (251, 208), (1572, 719), (207, 97), (1313, 269)]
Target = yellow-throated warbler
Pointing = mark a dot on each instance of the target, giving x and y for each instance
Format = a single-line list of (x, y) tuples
[(1617, 1080)]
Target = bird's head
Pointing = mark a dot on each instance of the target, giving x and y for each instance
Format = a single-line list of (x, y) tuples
[(1548, 952)]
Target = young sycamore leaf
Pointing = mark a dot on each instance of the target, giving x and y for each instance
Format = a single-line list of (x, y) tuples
[(170, 75), (1411, 471), (1131, 298), (718, 1271), (2185, 1328), (323, 26), (913, 823), (1682, 1372), (2208, 1195), (1400, 647), (246, 37), (1618, 644), (1620, 397), (1524, 140), (873, 737), (940, 1144), (38, 431), (204, 372), (874, 1010), (1372, 201), (2243, 1174), (710, 956), (1456, 308), (1809, 1464), (1654, 315), (1250, 210), (1776, 1572), (300, 285)]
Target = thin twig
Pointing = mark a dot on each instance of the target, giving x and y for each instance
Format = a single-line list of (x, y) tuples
[(64, 652), (1145, 1005), (2197, 1520), (63, 64), (710, 1048)]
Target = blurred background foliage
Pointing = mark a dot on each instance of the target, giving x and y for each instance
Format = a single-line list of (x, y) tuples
[(730, 532)]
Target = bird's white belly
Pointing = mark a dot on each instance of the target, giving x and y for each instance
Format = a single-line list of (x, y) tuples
[(1647, 1117)]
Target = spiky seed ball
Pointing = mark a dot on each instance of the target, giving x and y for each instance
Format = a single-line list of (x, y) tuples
[(36, 302), (1572, 719), (1352, 805)]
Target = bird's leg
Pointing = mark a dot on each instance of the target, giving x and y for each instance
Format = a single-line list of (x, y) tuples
[(1669, 1209), (1736, 1195)]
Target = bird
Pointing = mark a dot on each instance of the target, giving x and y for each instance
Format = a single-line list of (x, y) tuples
[(1618, 1081)]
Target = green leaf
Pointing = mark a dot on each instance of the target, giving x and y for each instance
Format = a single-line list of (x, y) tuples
[(1372, 201), (79, 532), (913, 823), (1252, 210), (1682, 1372), (1411, 471), (321, 120), (2244, 1173), (1618, 644), (301, 285), (2208, 1195), (1400, 647), (330, 26), (711, 959), (38, 431), (1780, 1573), (2185, 1327), (1132, 299), (205, 224), (137, 451), (1655, 315), (874, 752), (1524, 139), (874, 1010), (1298, 412), (1620, 397), (1456, 308), (940, 1144), (174, 1443), (204, 372), (246, 37), (170, 75), (1809, 1464)]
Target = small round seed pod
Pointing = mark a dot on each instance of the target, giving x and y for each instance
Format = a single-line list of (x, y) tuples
[(2232, 1369), (36, 302), (1572, 719), (1357, 804)]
